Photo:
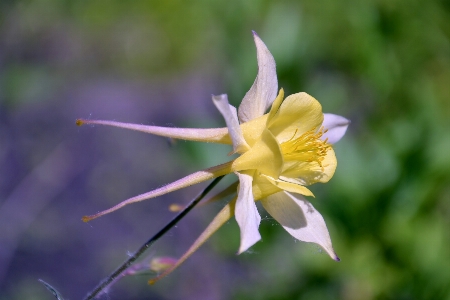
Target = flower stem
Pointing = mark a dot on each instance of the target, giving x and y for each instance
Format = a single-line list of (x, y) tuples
[(114, 275)]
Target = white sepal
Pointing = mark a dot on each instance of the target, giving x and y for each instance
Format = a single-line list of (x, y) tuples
[(230, 115), (300, 219), (246, 213), (336, 125), (265, 87)]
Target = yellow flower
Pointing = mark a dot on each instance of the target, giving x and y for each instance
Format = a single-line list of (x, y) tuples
[(281, 152)]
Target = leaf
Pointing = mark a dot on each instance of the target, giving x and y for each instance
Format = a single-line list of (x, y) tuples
[(52, 289)]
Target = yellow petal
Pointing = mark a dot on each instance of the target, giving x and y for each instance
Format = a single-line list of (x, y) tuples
[(264, 156), (276, 105), (290, 186), (262, 187), (253, 129), (298, 112), (221, 218)]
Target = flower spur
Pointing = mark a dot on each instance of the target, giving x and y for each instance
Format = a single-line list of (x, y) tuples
[(280, 153)]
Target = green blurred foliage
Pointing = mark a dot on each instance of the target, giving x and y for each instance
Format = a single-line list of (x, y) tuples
[(383, 64)]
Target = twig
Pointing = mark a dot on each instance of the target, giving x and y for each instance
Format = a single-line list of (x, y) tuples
[(111, 278)]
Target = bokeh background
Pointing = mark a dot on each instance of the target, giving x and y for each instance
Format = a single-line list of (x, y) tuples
[(383, 64)]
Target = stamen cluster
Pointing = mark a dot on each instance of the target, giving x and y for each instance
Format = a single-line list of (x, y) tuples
[(306, 148)]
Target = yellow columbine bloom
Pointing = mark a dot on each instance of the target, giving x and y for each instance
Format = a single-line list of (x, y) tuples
[(281, 152)]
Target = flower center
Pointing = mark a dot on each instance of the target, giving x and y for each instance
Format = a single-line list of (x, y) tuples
[(306, 148)]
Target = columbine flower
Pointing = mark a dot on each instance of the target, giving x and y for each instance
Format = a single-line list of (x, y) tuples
[(281, 152)]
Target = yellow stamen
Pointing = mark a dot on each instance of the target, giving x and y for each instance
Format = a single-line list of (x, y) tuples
[(306, 148)]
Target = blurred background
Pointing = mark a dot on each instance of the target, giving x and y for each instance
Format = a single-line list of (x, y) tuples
[(383, 64)]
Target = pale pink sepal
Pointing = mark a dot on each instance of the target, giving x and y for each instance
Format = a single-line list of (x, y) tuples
[(211, 135), (229, 113), (246, 213), (336, 125), (189, 180), (265, 87), (300, 219)]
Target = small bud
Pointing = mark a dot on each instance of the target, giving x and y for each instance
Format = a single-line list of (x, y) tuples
[(160, 264), (175, 207)]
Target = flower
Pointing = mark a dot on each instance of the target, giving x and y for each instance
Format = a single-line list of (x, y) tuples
[(281, 152)]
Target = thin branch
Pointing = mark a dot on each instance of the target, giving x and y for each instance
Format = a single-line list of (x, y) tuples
[(52, 290), (111, 278)]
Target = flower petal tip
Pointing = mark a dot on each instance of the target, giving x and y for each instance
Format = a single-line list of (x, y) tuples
[(336, 258), (247, 243), (240, 251), (254, 33), (87, 218)]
